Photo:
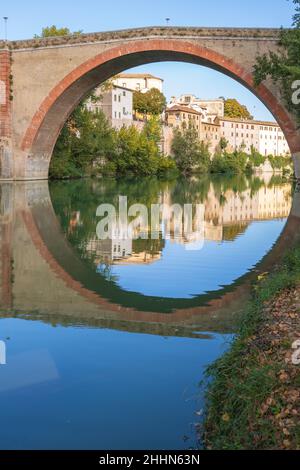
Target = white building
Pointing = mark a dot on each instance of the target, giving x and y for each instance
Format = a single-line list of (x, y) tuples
[(266, 137), (138, 82), (210, 109), (116, 103)]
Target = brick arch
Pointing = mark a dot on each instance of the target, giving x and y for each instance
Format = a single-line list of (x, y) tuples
[(43, 131)]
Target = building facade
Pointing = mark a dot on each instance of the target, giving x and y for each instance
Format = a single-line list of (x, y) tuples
[(210, 109), (116, 103), (182, 117), (142, 82), (265, 137)]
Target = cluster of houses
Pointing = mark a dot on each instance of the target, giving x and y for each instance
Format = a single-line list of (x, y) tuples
[(206, 116)]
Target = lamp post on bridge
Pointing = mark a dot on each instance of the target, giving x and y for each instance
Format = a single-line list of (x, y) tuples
[(5, 27)]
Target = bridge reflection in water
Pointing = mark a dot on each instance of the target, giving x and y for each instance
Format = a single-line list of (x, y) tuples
[(54, 269)]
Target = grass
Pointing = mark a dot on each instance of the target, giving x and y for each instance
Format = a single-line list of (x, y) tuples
[(242, 380)]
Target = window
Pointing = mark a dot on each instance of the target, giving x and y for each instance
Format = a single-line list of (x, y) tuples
[(124, 110), (124, 93), (115, 97), (119, 98)]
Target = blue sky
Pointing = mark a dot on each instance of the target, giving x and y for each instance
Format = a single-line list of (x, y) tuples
[(27, 18)]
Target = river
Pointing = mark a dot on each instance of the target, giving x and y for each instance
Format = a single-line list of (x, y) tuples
[(104, 341)]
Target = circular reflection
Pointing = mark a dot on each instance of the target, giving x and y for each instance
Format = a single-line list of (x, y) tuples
[(241, 219)]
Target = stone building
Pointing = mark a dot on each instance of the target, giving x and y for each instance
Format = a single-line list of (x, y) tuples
[(210, 109), (116, 103), (210, 133), (266, 137), (182, 117), (138, 81)]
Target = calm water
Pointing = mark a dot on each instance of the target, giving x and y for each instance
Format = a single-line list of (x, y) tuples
[(106, 341)]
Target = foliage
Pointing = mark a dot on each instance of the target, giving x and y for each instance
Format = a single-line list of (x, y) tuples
[(256, 159), (245, 392), (85, 140), (284, 67), (153, 102), (136, 153), (233, 109), (296, 17), (279, 162), (88, 146), (225, 162), (190, 155), (52, 31)]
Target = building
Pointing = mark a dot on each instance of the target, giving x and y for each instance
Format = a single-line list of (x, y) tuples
[(210, 133), (116, 103), (266, 137), (182, 117), (138, 82), (210, 109)]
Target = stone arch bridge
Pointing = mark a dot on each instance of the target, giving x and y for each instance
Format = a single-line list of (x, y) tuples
[(42, 81)]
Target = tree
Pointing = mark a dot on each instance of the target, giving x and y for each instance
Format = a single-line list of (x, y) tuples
[(136, 152), (85, 140), (52, 31), (153, 102), (296, 17), (283, 68), (190, 154), (233, 109)]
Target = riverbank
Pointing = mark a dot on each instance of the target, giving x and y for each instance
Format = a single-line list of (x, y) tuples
[(253, 400)]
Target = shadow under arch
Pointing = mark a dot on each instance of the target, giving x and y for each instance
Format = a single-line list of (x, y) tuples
[(44, 129)]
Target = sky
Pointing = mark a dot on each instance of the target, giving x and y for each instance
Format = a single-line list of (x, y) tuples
[(27, 18)]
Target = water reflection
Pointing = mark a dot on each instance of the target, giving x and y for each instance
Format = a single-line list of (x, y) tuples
[(241, 220), (49, 244), (105, 347)]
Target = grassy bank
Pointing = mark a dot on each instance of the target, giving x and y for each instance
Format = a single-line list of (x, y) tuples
[(253, 400)]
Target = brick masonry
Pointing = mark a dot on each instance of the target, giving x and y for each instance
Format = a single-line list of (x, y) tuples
[(5, 114), (52, 75)]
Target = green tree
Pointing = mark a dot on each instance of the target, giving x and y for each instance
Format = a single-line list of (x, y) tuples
[(296, 17), (86, 141), (153, 102), (284, 67), (136, 153), (234, 163), (52, 31), (256, 159), (233, 109), (190, 154)]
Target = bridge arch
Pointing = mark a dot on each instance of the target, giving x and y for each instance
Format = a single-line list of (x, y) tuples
[(42, 133)]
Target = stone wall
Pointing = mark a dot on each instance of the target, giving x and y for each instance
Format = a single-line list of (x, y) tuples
[(5, 114)]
